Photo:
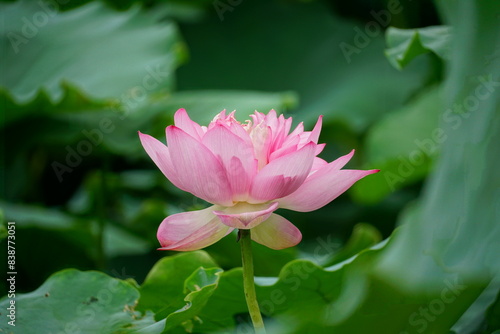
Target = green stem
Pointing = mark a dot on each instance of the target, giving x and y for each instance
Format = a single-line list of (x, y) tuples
[(248, 281)]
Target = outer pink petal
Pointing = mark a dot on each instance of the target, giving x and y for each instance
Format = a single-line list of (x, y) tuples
[(191, 230), (159, 153), (199, 171), (182, 121), (322, 187), (276, 233), (246, 220), (237, 157), (282, 176)]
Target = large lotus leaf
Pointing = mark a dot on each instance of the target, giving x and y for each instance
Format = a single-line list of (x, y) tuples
[(123, 56), (72, 301)]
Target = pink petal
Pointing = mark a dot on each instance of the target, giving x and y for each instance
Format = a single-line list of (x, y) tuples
[(282, 176), (191, 230), (303, 139), (298, 130), (291, 140), (271, 114), (282, 152), (279, 134), (276, 233), (261, 136), (237, 157), (319, 148), (257, 117), (314, 135), (182, 121), (221, 115), (324, 185), (238, 130), (246, 216), (290, 145), (271, 119), (199, 171), (158, 152), (318, 163)]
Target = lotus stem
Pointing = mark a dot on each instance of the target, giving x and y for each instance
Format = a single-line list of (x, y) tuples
[(248, 281)]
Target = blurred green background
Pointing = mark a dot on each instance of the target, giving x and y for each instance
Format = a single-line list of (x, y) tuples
[(80, 78)]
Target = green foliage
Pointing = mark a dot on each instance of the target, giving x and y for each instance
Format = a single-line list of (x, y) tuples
[(75, 301), (150, 51), (346, 296), (163, 289), (468, 153)]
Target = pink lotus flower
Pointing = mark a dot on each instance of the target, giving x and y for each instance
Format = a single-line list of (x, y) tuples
[(247, 171)]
